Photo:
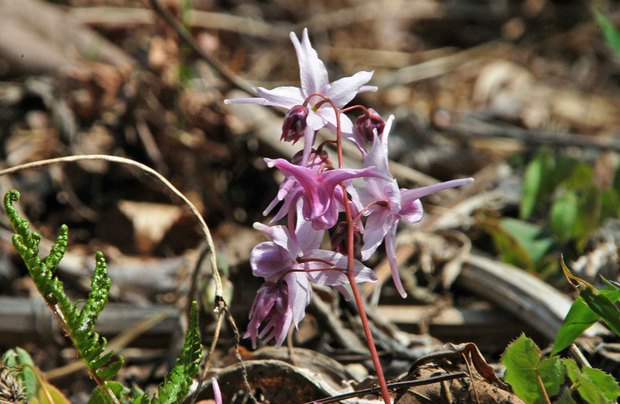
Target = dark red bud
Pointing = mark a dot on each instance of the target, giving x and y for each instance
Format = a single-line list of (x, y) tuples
[(339, 240), (365, 125), (294, 124)]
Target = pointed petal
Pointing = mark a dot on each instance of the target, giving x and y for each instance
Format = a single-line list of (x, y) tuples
[(307, 237), (330, 179), (390, 250), (342, 91), (309, 134), (269, 261), (378, 154), (412, 212), (299, 294), (377, 226), (312, 71), (315, 194), (285, 97), (417, 193)]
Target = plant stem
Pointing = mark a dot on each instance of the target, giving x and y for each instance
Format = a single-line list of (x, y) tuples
[(385, 394)]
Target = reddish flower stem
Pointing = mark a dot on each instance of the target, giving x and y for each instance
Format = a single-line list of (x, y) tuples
[(385, 394)]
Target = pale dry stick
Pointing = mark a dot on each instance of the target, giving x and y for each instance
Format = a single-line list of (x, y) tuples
[(205, 371)]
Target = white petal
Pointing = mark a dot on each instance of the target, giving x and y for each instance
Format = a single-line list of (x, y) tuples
[(285, 97), (312, 71), (342, 91)]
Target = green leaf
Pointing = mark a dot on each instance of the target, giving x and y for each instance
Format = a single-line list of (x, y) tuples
[(524, 367), (530, 236), (578, 319), (176, 384), (536, 182), (101, 396), (612, 36), (594, 385), (588, 219), (49, 394), (596, 301), (610, 204), (602, 306), (563, 216), (508, 246)]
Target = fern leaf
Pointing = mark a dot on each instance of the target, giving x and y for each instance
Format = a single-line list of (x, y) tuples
[(176, 384), (78, 322)]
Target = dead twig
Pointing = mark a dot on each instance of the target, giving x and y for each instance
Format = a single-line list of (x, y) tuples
[(471, 127), (393, 386)]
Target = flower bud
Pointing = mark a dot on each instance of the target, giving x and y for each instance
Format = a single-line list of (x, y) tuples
[(365, 125), (294, 124), (339, 240)]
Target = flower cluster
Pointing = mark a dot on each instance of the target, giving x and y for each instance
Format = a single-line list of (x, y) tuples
[(317, 199)]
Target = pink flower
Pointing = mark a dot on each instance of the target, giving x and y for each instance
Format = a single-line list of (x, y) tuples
[(314, 80), (386, 204), (288, 263), (319, 191), (278, 305)]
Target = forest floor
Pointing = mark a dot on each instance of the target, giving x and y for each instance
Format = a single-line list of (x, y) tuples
[(523, 96)]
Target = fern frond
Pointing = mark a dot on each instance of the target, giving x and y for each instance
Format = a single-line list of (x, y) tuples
[(77, 322), (176, 384)]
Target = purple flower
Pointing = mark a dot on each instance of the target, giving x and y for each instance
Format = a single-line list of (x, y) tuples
[(278, 305), (314, 80), (319, 191), (385, 204), (288, 263)]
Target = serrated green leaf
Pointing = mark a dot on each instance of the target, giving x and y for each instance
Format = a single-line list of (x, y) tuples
[(578, 319), (176, 384), (594, 385), (563, 216), (524, 367), (552, 373)]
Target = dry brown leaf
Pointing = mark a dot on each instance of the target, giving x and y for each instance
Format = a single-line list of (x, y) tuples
[(150, 221)]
